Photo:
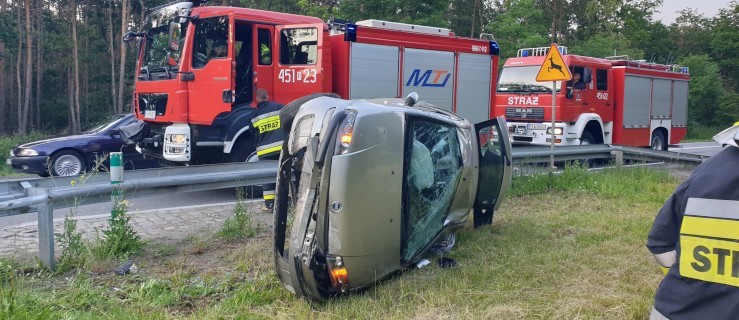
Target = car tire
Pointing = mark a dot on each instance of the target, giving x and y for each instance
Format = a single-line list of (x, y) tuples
[(67, 163), (658, 141)]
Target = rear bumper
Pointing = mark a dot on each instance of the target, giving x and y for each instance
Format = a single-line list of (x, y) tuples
[(33, 165)]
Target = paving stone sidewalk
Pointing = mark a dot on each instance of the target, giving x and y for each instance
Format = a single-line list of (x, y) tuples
[(20, 242)]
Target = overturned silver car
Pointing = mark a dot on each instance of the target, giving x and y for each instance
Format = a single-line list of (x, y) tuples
[(367, 187)]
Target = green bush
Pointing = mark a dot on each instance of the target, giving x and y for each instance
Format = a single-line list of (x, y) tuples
[(8, 142)]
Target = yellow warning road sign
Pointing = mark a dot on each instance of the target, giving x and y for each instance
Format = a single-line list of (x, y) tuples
[(554, 67)]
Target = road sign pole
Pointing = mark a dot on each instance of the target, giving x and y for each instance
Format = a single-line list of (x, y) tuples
[(554, 111)]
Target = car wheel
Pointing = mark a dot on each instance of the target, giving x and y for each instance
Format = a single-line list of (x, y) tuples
[(658, 141), (67, 163)]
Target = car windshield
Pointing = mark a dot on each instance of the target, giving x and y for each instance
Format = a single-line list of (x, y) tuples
[(157, 50), (523, 79), (110, 124)]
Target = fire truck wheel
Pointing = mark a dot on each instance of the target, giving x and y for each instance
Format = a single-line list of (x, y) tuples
[(245, 152), (658, 141), (288, 112), (587, 138)]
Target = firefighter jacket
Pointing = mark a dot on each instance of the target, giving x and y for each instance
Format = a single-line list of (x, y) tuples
[(700, 222), (265, 126)]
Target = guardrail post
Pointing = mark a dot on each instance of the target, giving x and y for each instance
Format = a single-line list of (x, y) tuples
[(619, 157), (116, 177), (45, 228)]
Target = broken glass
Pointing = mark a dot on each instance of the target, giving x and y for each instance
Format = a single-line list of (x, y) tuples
[(434, 171)]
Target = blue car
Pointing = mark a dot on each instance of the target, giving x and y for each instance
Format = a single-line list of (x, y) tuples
[(72, 155)]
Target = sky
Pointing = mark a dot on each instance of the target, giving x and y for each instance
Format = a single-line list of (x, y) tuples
[(709, 8)]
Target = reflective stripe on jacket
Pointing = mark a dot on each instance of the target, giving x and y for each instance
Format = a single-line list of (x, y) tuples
[(264, 126)]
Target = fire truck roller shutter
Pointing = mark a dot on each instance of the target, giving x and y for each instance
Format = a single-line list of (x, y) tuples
[(661, 95), (431, 75), (373, 71), (473, 87), (637, 96), (680, 104)]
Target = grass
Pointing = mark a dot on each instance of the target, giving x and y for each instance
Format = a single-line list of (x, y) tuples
[(7, 142), (561, 247), (699, 132)]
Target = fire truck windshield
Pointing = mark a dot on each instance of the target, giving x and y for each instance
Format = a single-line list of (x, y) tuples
[(160, 52), (523, 79)]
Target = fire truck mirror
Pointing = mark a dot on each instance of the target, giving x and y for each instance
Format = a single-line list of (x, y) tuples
[(174, 36), (129, 36)]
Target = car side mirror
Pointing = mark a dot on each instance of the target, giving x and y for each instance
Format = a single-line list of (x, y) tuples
[(114, 132)]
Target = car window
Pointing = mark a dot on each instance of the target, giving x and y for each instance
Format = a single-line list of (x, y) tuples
[(108, 124), (433, 170)]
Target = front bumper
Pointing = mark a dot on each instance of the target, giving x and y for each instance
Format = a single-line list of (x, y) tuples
[(32, 165), (523, 133)]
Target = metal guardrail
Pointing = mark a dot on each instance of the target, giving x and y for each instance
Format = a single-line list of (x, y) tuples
[(526, 155), (47, 194), (44, 195)]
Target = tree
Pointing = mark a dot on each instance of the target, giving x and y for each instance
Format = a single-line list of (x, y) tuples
[(705, 93), (518, 24), (76, 125), (122, 66), (725, 44)]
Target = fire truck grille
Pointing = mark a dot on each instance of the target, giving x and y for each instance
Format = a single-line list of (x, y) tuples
[(152, 102), (524, 113)]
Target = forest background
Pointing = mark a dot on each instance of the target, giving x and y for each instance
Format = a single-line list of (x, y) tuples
[(63, 66)]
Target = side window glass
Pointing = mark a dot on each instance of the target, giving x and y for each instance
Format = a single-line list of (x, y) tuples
[(577, 82), (299, 46), (211, 41), (601, 78), (265, 47), (433, 171)]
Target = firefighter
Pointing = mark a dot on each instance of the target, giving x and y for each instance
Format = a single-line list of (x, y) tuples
[(266, 129), (695, 239)]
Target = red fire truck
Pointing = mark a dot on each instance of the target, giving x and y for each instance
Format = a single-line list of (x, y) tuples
[(199, 68), (617, 101)]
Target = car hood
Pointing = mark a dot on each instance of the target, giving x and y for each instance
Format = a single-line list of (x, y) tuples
[(51, 142)]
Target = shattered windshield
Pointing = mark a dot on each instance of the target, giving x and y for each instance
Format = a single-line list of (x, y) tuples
[(523, 79), (157, 50), (433, 172)]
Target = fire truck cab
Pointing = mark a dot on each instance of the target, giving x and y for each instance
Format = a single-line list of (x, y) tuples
[(615, 101), (200, 66)]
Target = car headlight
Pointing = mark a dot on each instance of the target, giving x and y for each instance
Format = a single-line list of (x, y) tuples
[(27, 153), (557, 130)]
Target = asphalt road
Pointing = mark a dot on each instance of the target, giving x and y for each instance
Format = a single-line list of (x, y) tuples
[(698, 148), (228, 195)]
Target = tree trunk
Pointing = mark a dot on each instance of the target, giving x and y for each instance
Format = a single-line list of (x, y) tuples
[(39, 58), (122, 68), (143, 14), (70, 100), (3, 100), (29, 69), (19, 106), (75, 56), (111, 51)]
